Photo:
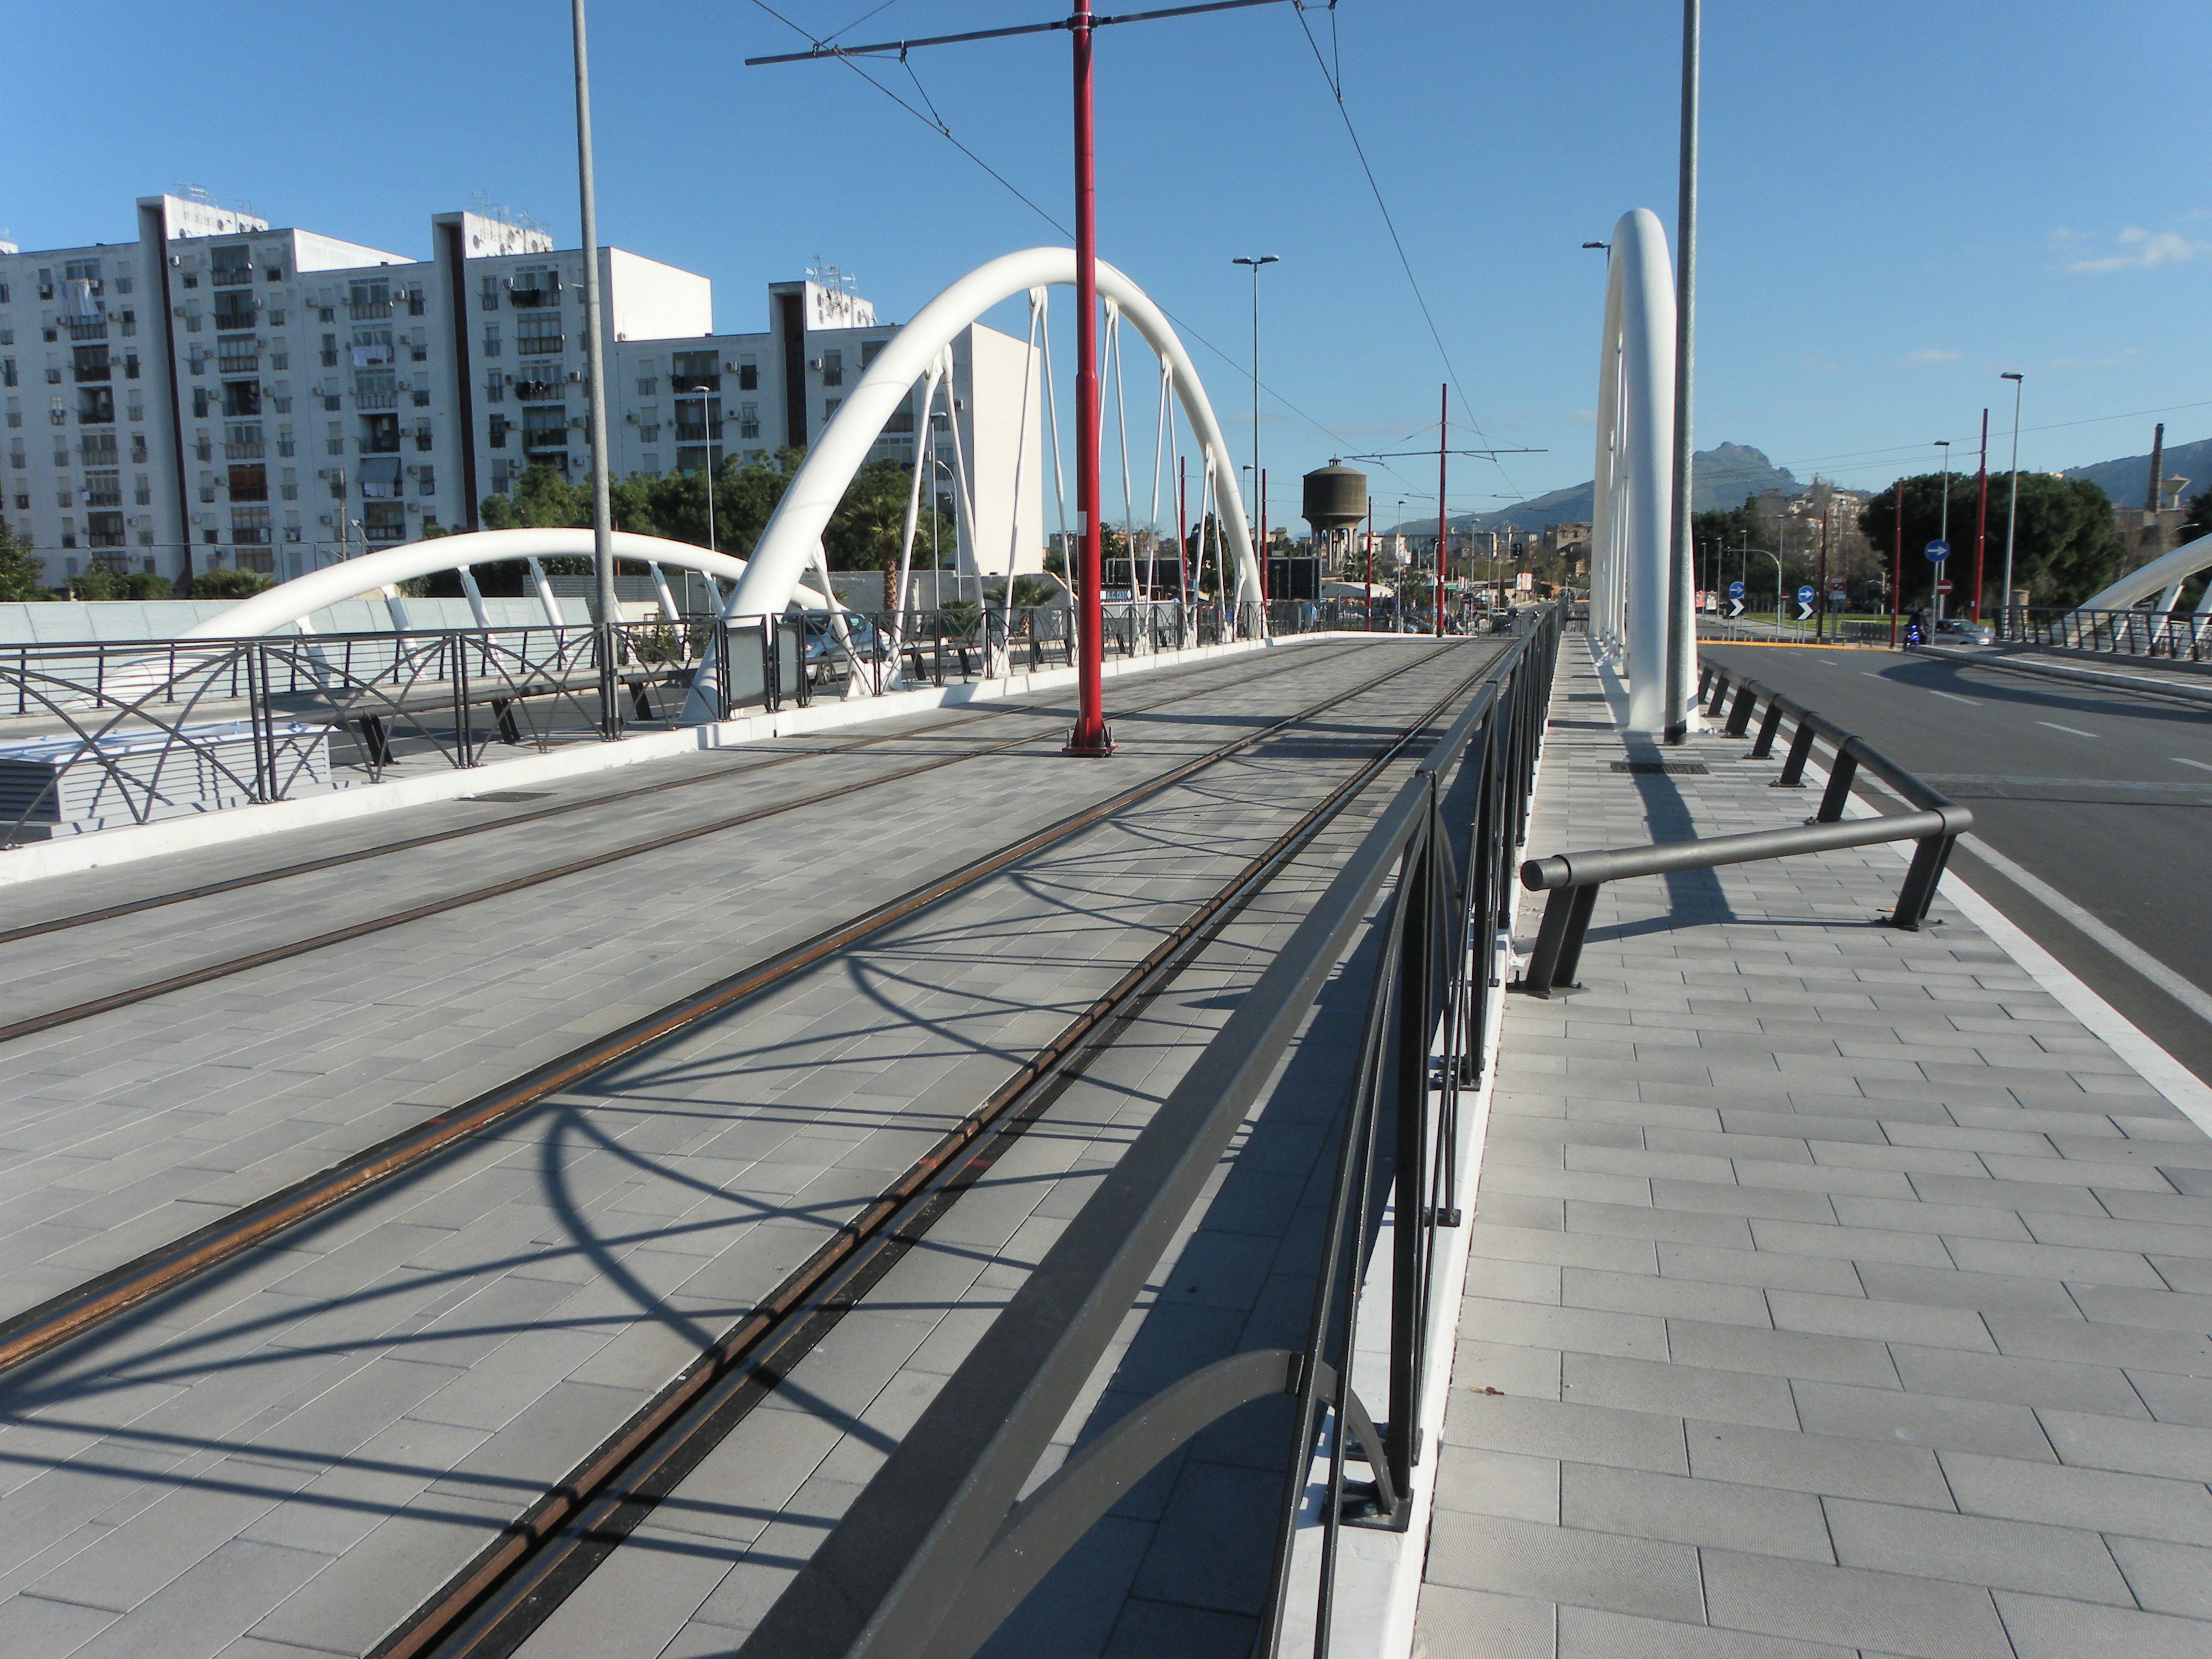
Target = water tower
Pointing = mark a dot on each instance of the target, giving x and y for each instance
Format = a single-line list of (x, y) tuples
[(1335, 502)]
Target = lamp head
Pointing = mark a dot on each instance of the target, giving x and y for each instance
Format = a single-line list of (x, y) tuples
[(2012, 377)]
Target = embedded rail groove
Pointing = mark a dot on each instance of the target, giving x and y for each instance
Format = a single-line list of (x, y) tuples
[(98, 1300), (491, 1607), (32, 1024), (309, 866)]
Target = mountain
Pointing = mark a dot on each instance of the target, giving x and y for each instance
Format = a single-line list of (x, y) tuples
[(2127, 481), (1720, 477)]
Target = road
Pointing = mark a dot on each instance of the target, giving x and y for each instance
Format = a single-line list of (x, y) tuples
[(2103, 796)]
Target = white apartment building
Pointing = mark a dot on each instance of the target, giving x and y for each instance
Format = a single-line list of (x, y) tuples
[(219, 391)]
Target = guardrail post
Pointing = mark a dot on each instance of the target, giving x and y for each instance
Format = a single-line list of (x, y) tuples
[(1801, 750), (1738, 718), (1929, 859), (1768, 726), (1720, 693), (1841, 773), (1559, 950), (1409, 1232)]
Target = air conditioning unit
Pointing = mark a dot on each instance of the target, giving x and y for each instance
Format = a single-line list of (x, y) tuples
[(814, 364)]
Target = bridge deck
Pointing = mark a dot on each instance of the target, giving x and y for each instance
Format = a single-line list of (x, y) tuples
[(1833, 1289), (298, 1448)]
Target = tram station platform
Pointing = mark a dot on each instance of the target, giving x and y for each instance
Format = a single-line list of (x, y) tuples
[(1833, 1289)]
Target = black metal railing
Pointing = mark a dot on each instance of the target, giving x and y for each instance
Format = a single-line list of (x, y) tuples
[(2177, 636), (1934, 823), (935, 1553)]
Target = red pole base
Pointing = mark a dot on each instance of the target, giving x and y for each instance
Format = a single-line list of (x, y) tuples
[(1097, 746)]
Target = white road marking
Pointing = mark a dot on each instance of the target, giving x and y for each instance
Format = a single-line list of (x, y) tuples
[(2182, 761), (2071, 731), (1969, 702)]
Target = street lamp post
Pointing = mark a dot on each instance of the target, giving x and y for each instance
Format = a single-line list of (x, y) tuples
[(595, 398), (1943, 530), (2012, 501), (707, 427), (1262, 259)]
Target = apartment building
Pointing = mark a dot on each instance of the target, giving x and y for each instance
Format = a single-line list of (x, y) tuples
[(220, 391)]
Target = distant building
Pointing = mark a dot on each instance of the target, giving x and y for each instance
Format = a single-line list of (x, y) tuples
[(218, 391)]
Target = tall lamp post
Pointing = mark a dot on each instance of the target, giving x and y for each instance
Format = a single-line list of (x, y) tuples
[(595, 402), (1262, 259), (1944, 527), (2012, 502), (706, 429)]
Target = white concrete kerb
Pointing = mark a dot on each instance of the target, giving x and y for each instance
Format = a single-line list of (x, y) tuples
[(96, 848)]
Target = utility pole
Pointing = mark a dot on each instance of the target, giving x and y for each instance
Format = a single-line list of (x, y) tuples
[(1981, 512), (1943, 526), (1089, 735), (1681, 627), (1896, 562), (1258, 477), (603, 532), (2011, 502), (1443, 437), (1821, 611)]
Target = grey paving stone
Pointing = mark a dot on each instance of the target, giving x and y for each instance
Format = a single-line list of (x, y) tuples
[(2179, 1512), (2173, 1578), (1837, 1465), (1677, 1390), (1451, 1622), (1593, 1633), (2095, 1441), (1880, 1612), (1563, 1565), (1913, 1418), (2047, 1627), (1975, 1550), (1701, 1511), (1568, 1430)]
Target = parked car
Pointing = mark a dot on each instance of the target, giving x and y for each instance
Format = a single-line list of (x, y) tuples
[(1961, 630), (825, 656)]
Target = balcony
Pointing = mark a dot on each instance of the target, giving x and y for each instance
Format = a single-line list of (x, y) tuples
[(363, 311), (108, 538), (381, 444), (86, 328), (526, 299), (233, 275), (245, 452), (553, 438), (547, 345), (531, 391), (88, 374), (239, 362), (376, 400)]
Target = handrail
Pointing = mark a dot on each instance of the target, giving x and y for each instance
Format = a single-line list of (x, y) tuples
[(1573, 878)]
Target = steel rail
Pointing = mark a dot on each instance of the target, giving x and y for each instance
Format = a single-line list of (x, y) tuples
[(490, 1608), (73, 1312), (33, 1024), (310, 867)]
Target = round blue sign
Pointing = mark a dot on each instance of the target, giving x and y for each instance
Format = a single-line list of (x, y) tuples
[(1939, 551), (1736, 590), (1804, 596)]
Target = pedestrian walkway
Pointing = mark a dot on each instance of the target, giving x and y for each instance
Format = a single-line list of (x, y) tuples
[(1833, 1289)]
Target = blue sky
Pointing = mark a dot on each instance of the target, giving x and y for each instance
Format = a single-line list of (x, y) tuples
[(1899, 201)]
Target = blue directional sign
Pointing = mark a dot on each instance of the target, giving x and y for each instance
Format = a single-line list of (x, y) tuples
[(1736, 590), (1939, 551), (1804, 596)]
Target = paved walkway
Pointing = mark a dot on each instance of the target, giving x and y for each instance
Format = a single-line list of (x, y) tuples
[(1834, 1290)]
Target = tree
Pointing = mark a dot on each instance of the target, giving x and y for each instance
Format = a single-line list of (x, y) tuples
[(2199, 521), (18, 571), (95, 583), (228, 583), (2064, 548)]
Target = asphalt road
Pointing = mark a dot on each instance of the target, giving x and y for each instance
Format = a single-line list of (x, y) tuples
[(2103, 796)]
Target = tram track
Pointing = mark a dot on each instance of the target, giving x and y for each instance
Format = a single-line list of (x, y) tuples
[(491, 1607), (130, 996), (105, 1297), (410, 843)]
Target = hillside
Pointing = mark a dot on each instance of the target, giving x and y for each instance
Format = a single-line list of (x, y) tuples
[(1720, 477), (2127, 480)]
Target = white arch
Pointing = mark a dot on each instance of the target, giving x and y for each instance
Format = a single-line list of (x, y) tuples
[(813, 496), (2170, 569), (303, 596), (1634, 489)]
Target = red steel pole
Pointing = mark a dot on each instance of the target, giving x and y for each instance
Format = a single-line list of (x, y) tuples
[(1183, 512), (1981, 514), (1262, 560), (1370, 545), (1444, 429), (1896, 563), (1089, 735)]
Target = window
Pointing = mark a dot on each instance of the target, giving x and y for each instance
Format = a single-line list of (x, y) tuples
[(275, 273), (231, 266), (652, 463), (200, 403), (285, 445), (749, 420), (901, 419), (491, 340), (249, 483), (275, 316), (537, 287), (7, 371), (648, 386), (242, 397), (830, 406), (491, 300), (90, 363), (648, 432), (137, 446), (367, 296), (422, 437), (497, 438), (539, 335), (191, 319), (869, 350), (129, 325), (379, 435), (142, 489), (96, 405), (280, 358), (495, 388), (748, 375), (282, 400), (384, 521), (418, 348), (203, 448), (697, 419), (330, 352), (416, 306), (234, 312), (426, 481), (335, 443), (833, 368), (129, 365), (195, 361), (545, 428), (690, 370)]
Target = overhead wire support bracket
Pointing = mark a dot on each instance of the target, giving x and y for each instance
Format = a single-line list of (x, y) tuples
[(822, 49)]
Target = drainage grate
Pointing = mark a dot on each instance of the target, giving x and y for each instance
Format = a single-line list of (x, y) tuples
[(546, 794), (1582, 725), (1678, 769)]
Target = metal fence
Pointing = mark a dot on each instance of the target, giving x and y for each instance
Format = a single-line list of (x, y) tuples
[(99, 734), (935, 1553), (2178, 635)]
